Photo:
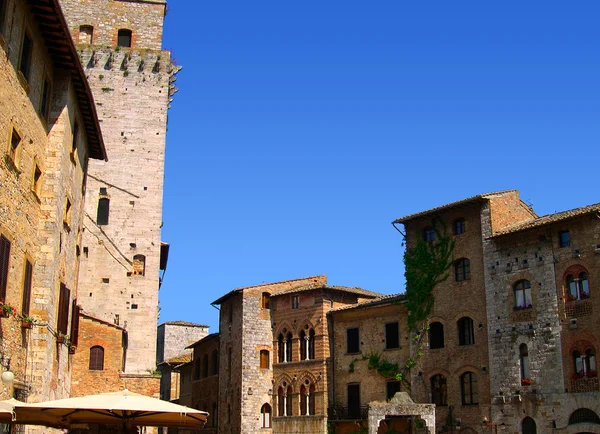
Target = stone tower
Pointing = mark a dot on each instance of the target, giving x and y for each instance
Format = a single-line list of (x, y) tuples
[(119, 44)]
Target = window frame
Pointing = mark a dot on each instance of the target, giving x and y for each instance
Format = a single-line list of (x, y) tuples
[(468, 388), (437, 337), (388, 389), (26, 56), (264, 359), (428, 234), (466, 331), (5, 246), (522, 289), (459, 226), (462, 269), (96, 358), (350, 345), (295, 301), (265, 415), (439, 390), (390, 343), (564, 238), (27, 287), (124, 33)]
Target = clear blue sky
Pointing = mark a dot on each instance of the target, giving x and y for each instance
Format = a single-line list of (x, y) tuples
[(302, 129)]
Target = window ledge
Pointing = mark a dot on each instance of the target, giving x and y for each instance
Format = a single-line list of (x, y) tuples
[(23, 82), (11, 165)]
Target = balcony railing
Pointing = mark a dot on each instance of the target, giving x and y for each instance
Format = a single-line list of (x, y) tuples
[(585, 384), (345, 413)]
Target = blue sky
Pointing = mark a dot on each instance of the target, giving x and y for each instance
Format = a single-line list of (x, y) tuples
[(302, 129)]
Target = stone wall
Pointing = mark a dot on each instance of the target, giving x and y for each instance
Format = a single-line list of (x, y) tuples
[(132, 90), (173, 337), (205, 387)]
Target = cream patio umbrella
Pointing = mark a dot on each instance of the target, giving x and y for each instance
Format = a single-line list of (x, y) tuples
[(125, 408)]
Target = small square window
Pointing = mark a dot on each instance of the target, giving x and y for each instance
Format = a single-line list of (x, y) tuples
[(428, 234), (459, 226), (564, 239), (124, 38), (15, 146), (295, 301)]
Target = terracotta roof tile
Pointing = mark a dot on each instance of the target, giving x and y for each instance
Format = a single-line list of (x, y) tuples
[(379, 301), (204, 339), (549, 219), (355, 290), (479, 197)]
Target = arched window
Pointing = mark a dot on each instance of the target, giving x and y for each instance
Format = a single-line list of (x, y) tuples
[(103, 211), (462, 269), (524, 361), (205, 366), (265, 300), (280, 402), (215, 362), (265, 416), (307, 344), (197, 368), (466, 335), (288, 347), (311, 401), (585, 364), (311, 344), (528, 426), (436, 335), (439, 395), (124, 38), (578, 286), (139, 265), (522, 291), (584, 415), (96, 358), (307, 398), (468, 388), (85, 34), (281, 349), (288, 402)]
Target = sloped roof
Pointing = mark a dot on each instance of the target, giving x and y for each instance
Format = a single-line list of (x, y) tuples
[(204, 339), (379, 301), (178, 360), (107, 323), (184, 323), (55, 31), (549, 219), (358, 291), (472, 199)]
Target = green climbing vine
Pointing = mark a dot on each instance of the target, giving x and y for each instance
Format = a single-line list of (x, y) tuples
[(426, 265)]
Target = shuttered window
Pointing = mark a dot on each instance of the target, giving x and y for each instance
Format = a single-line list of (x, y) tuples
[(103, 210), (4, 260), (75, 323), (63, 309), (96, 359), (264, 359), (27, 281)]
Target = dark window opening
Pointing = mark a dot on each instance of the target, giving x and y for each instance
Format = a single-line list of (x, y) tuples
[(392, 335), (215, 362), (103, 211), (37, 181), (466, 335), (391, 388), (96, 358), (352, 341), (45, 102), (439, 394), (436, 335), (468, 388), (4, 262), (564, 239), (354, 401), (205, 366), (2, 15), (429, 234), (64, 302), (528, 426), (524, 361), (15, 141), (26, 53), (584, 415), (295, 301), (459, 226), (462, 269), (265, 300), (124, 38), (27, 281)]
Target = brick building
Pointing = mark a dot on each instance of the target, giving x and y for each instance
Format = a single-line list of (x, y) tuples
[(204, 378), (131, 77), (49, 132)]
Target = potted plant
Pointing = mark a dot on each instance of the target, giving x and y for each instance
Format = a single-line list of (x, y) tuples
[(27, 321), (7, 310), (72, 349), (525, 382), (60, 338)]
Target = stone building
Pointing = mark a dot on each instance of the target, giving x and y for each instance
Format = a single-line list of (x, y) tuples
[(174, 337), (119, 45), (204, 378), (274, 346), (49, 131)]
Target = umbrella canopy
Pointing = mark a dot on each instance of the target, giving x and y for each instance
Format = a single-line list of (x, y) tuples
[(6, 409), (119, 408)]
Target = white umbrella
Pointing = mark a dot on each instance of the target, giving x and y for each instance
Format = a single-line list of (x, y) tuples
[(118, 408)]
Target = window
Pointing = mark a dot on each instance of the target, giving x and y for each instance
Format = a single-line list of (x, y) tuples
[(578, 287), (459, 226), (353, 401), (62, 325), (462, 269), (524, 362), (76, 310), (215, 362), (37, 181), (585, 363), (436, 335), (564, 239), (96, 358), (4, 262), (265, 416), (103, 210), (468, 388), (428, 234), (307, 398), (27, 280), (352, 341), (280, 349), (205, 366), (288, 347), (392, 336), (439, 394), (466, 334), (307, 344), (522, 290), (197, 369), (528, 426), (284, 344), (139, 265), (124, 38), (264, 359), (265, 301), (74, 141), (86, 34), (584, 415), (67, 216), (280, 402), (26, 52), (288, 402), (45, 101), (391, 388), (2, 15), (15, 147), (295, 301)]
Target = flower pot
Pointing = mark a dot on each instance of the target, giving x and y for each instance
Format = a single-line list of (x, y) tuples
[(26, 324), (72, 350), (60, 339)]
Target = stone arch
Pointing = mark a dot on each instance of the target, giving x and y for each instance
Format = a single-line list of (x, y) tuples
[(466, 368), (311, 377), (302, 326), (281, 379), (281, 327), (465, 313)]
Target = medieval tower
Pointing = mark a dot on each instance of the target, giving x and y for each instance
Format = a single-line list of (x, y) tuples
[(120, 47)]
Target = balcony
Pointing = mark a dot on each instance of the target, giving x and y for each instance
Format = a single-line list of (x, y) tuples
[(578, 308), (585, 384), (345, 413)]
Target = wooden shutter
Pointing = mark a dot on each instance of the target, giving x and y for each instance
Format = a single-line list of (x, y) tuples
[(63, 309), (27, 281), (103, 211), (75, 323), (4, 260), (96, 359)]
